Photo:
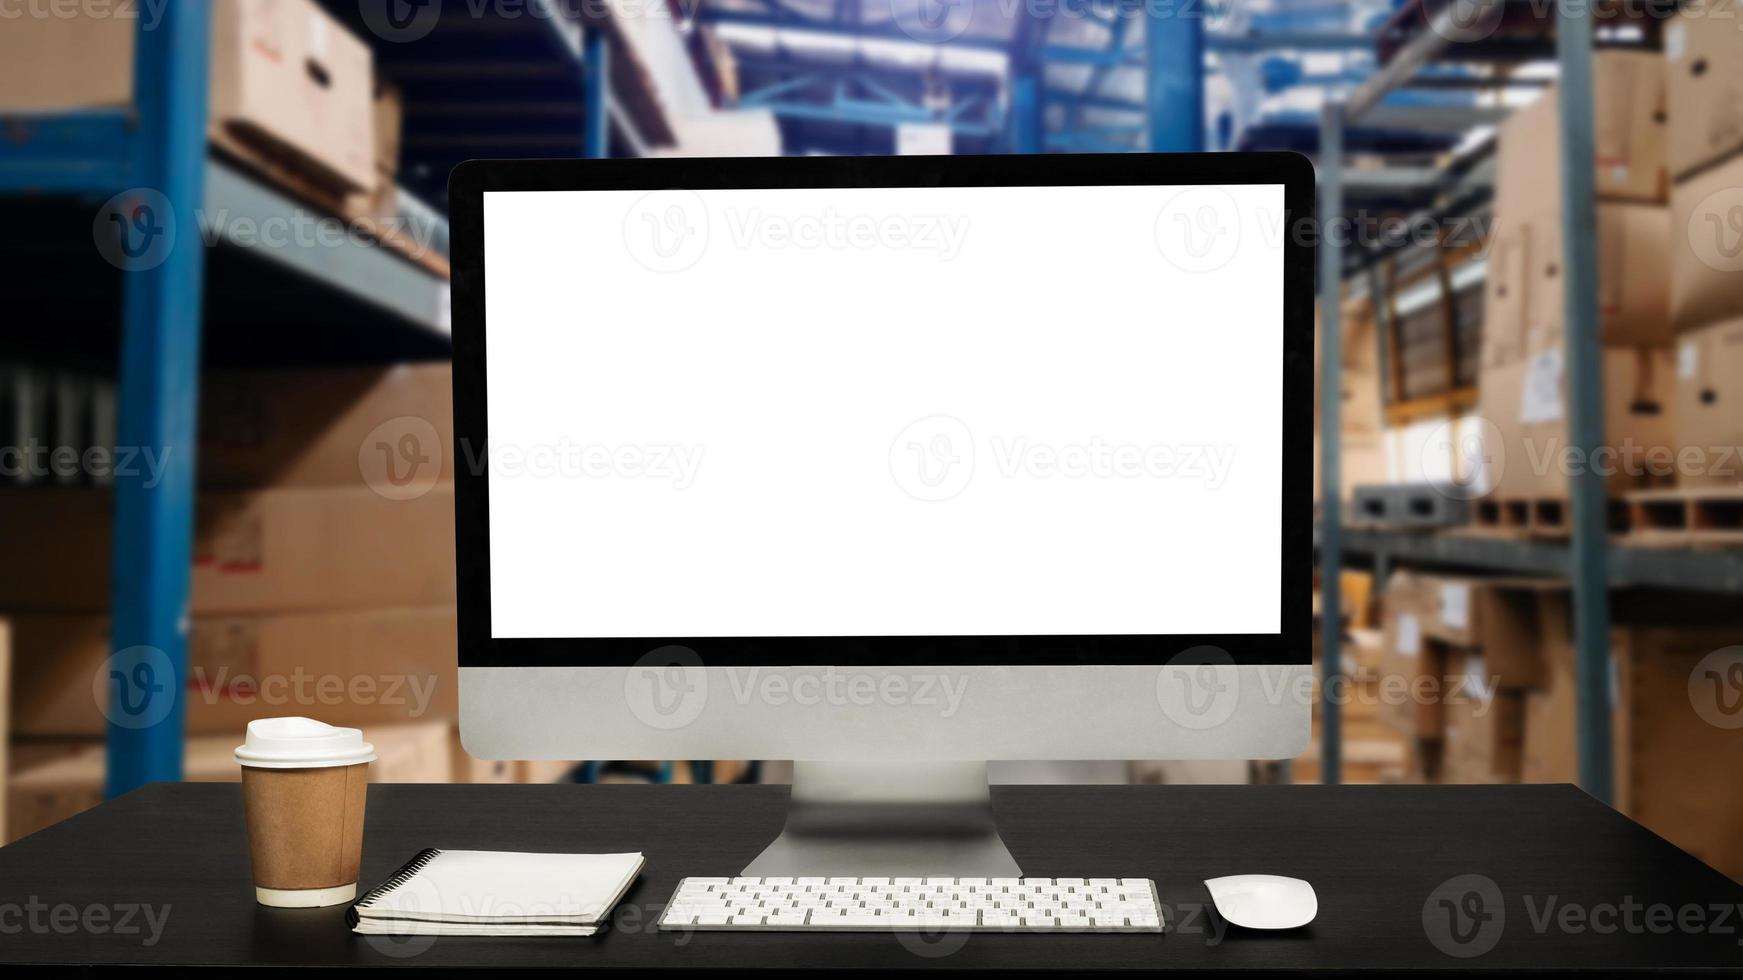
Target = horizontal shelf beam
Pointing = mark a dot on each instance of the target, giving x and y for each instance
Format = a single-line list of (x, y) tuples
[(1656, 568), (67, 153), (239, 211)]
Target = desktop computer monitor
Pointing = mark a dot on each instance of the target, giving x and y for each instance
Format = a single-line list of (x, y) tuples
[(888, 466)]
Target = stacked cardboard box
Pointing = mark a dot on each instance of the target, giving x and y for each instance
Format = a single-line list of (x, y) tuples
[(1457, 658), (1704, 60), (1676, 747), (290, 87), (59, 778), (323, 581), (1522, 371)]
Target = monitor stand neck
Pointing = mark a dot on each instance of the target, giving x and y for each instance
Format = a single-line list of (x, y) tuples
[(916, 819)]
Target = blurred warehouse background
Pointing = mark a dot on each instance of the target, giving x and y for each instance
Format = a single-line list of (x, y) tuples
[(1531, 503)]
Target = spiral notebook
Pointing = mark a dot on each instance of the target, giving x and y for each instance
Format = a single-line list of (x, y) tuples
[(496, 893)]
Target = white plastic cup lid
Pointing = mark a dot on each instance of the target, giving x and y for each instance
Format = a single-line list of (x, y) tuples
[(301, 743)]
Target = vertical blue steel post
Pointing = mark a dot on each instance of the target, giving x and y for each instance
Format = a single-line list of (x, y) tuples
[(1585, 397), (596, 94), (1174, 82), (1331, 536), (1026, 119), (158, 406)]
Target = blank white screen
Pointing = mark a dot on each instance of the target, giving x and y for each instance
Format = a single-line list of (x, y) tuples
[(731, 413)]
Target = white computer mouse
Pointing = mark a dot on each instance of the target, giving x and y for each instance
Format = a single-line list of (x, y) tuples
[(1264, 901)]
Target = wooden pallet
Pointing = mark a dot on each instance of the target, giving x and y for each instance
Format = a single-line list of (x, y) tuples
[(1540, 517), (1686, 517)]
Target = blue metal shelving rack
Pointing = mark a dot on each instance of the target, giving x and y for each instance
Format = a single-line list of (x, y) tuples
[(150, 160)]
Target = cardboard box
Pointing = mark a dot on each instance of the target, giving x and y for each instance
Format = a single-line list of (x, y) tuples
[(286, 80), (1550, 754), (359, 668), (1485, 728), (263, 551), (350, 427), (1407, 684), (1680, 751), (1498, 617), (65, 778), (1674, 767), (1629, 113), (1527, 403), (281, 550), (1525, 298), (1703, 54), (1706, 263), (388, 123), (1709, 405)]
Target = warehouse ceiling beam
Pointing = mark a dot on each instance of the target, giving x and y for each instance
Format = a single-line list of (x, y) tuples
[(858, 32), (1449, 27), (862, 112)]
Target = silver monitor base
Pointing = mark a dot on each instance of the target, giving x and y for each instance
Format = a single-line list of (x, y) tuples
[(888, 820)]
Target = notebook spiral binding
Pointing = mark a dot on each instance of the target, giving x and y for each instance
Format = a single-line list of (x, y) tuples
[(405, 873)]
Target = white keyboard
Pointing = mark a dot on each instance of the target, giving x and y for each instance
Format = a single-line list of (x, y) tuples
[(931, 904)]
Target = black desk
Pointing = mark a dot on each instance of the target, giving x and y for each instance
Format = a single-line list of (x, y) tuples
[(1376, 855)]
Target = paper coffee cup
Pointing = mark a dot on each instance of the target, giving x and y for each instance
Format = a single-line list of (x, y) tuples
[(303, 790)]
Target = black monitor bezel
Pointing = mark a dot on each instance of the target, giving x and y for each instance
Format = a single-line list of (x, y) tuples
[(471, 180)]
